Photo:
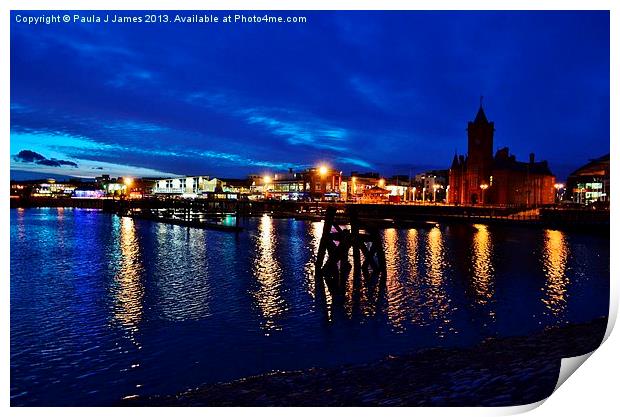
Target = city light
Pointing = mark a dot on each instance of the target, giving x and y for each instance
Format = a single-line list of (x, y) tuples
[(381, 182), (323, 170), (128, 181), (483, 187), (267, 179)]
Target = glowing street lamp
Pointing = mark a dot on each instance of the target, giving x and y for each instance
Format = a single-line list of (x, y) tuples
[(558, 188), (128, 181), (381, 183), (323, 170), (483, 187), (435, 188), (266, 182)]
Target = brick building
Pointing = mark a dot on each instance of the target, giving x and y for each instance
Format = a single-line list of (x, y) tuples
[(481, 178)]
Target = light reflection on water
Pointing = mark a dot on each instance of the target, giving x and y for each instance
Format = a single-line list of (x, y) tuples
[(194, 306), (128, 286), (438, 299), (482, 262), (183, 273), (268, 273), (555, 256)]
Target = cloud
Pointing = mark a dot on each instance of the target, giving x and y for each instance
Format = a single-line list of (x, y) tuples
[(29, 156), (298, 133)]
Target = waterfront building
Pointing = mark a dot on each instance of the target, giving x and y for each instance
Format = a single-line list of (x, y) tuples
[(88, 191), (432, 186), (481, 178), (376, 194), (240, 187), (283, 186), (590, 183), (358, 184), (48, 188), (188, 187), (319, 183), (400, 187), (324, 183)]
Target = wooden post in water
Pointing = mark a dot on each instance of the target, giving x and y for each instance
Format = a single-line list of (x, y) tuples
[(332, 265)]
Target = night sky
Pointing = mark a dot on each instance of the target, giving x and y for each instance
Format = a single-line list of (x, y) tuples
[(365, 91)]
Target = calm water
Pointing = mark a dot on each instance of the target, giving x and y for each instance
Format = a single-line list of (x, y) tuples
[(104, 307)]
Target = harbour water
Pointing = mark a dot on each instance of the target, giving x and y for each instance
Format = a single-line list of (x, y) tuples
[(106, 307)]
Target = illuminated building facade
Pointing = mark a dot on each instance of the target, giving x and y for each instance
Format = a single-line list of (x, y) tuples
[(590, 183), (187, 186), (481, 178), (320, 183)]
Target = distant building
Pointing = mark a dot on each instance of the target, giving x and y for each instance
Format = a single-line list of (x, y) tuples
[(283, 186), (88, 191), (590, 183), (190, 187), (320, 183), (358, 185), (432, 185), (481, 178)]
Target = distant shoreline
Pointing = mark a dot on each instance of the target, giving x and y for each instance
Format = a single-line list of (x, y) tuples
[(381, 216)]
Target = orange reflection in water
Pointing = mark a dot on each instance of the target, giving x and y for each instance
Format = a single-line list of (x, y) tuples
[(438, 300), (130, 289), (555, 255), (482, 264), (268, 272), (415, 291), (396, 293)]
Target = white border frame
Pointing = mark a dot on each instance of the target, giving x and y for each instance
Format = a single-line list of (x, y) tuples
[(592, 391)]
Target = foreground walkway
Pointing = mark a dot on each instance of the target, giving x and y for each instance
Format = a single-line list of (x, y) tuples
[(498, 372)]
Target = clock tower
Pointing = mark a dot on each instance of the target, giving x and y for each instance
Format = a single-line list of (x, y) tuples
[(479, 155)]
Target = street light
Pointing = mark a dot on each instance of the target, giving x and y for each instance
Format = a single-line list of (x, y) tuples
[(266, 182), (558, 187), (128, 181), (381, 182), (323, 170), (435, 188), (483, 187)]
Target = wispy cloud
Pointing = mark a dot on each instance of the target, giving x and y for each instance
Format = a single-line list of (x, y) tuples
[(355, 162), (299, 133)]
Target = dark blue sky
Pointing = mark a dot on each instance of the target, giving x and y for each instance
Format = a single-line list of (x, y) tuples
[(381, 91)]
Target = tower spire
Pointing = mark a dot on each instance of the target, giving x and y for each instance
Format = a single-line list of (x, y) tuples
[(481, 117)]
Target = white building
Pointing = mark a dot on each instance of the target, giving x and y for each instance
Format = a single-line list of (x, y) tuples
[(187, 186)]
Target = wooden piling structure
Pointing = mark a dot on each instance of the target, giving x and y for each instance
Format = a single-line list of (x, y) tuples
[(332, 266)]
